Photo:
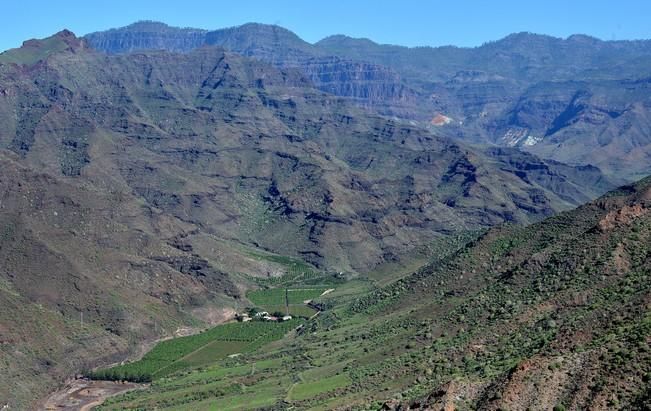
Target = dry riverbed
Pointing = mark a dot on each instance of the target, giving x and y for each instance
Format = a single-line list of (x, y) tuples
[(83, 395)]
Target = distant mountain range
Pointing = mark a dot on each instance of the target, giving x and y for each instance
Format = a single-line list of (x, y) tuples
[(578, 100)]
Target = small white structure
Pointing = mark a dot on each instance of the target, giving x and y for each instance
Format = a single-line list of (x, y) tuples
[(287, 318), (262, 314), (244, 317)]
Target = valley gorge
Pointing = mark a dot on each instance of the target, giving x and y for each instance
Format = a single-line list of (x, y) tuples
[(451, 215)]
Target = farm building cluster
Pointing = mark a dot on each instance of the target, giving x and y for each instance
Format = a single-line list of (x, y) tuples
[(262, 316)]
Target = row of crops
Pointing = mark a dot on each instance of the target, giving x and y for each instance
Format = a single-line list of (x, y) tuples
[(282, 296), (295, 310), (294, 274), (176, 354), (296, 271)]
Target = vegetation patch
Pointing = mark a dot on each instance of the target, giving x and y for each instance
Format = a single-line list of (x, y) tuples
[(295, 310), (307, 390), (173, 355), (282, 296)]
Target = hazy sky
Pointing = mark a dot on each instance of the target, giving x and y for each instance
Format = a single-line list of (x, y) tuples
[(406, 22)]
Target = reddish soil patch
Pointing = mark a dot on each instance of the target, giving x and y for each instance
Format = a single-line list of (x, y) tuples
[(440, 120), (623, 216)]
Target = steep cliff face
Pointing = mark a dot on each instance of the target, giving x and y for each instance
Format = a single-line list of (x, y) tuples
[(147, 35), (370, 85)]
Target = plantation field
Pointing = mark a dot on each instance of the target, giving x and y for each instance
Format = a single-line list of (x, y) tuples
[(263, 298), (310, 389), (295, 270), (212, 352), (219, 372), (213, 388), (278, 296), (298, 296), (173, 355), (301, 311), (295, 310)]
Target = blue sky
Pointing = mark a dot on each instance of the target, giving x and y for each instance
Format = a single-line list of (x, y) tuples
[(406, 22)]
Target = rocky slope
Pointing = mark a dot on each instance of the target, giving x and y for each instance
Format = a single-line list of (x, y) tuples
[(136, 189), (562, 307), (559, 98), (214, 139), (605, 123), (553, 316)]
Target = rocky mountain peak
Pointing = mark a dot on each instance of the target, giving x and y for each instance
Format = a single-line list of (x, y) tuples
[(36, 50), (583, 38), (260, 40), (343, 40), (66, 34)]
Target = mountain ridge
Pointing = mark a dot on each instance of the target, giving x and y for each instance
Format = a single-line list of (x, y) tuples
[(484, 92), (576, 37)]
